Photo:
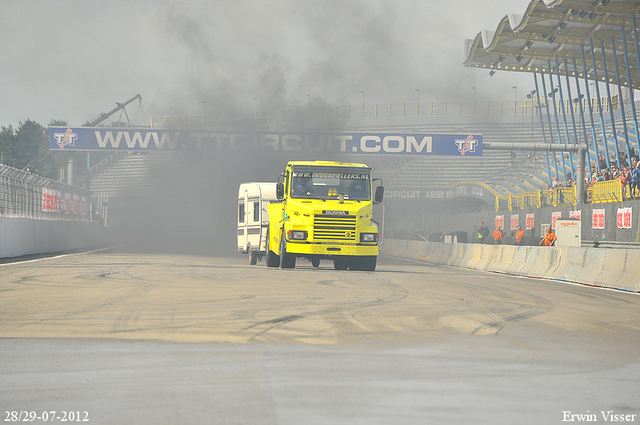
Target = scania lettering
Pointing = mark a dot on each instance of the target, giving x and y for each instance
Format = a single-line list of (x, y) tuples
[(324, 212)]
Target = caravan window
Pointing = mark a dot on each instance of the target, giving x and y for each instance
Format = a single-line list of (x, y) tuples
[(241, 213), (256, 211)]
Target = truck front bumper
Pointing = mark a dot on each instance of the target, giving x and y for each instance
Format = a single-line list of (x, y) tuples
[(324, 249)]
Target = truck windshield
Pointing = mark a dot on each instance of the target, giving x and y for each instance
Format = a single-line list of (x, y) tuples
[(317, 182)]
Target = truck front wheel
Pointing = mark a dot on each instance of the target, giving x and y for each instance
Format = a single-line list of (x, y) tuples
[(341, 263), (287, 261), (365, 263)]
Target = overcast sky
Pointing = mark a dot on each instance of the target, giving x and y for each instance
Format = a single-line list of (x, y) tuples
[(73, 59)]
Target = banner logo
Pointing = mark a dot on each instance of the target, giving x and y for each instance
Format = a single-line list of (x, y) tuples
[(68, 138), (466, 145)]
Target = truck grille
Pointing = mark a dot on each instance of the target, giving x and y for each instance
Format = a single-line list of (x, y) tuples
[(332, 227)]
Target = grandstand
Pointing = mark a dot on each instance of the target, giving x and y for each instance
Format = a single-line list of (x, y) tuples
[(127, 173)]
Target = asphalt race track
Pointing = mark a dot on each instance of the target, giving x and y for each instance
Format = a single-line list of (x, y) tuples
[(125, 338)]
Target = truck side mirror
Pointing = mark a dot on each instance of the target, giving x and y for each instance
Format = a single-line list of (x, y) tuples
[(280, 191), (379, 195)]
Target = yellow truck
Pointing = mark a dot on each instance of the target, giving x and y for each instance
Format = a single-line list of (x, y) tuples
[(324, 212)]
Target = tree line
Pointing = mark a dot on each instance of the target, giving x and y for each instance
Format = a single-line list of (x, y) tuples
[(22, 144)]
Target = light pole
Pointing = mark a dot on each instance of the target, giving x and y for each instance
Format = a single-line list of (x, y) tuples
[(362, 91), (309, 105), (530, 97), (474, 99), (255, 98), (203, 114), (515, 102), (418, 107)]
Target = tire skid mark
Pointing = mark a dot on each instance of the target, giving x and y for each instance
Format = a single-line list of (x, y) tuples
[(507, 306), (335, 315), (134, 293), (528, 306)]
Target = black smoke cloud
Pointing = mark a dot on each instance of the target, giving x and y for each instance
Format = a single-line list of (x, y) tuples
[(227, 53), (226, 58)]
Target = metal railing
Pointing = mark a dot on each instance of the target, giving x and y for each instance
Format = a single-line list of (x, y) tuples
[(28, 195), (607, 191), (599, 192), (523, 109), (107, 163)]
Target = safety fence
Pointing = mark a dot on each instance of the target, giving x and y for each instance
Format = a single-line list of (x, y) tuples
[(28, 195), (599, 192)]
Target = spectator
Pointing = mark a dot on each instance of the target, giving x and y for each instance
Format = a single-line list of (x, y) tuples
[(602, 162), (634, 187), (482, 232), (497, 236), (549, 239), (615, 173), (519, 235), (624, 181), (556, 183)]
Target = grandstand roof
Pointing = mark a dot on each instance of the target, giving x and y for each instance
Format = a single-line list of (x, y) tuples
[(556, 29)]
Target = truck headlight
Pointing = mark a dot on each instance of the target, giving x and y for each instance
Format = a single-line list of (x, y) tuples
[(368, 237), (297, 234)]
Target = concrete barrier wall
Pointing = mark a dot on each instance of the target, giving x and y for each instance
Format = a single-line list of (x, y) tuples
[(611, 268), (25, 236)]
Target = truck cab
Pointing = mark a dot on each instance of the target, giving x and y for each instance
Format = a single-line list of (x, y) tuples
[(324, 212)]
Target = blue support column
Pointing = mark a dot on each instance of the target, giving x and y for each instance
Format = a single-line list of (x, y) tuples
[(544, 139), (564, 116), (595, 77), (611, 116), (633, 102), (573, 116), (555, 113), (579, 102), (621, 100), (593, 125), (546, 101)]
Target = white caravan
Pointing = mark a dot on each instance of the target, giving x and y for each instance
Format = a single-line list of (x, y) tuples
[(253, 218)]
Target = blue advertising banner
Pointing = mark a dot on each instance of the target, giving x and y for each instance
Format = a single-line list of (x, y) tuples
[(131, 139)]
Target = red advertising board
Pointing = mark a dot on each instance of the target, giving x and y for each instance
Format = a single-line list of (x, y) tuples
[(624, 218), (557, 215), (515, 220), (530, 221), (597, 219)]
